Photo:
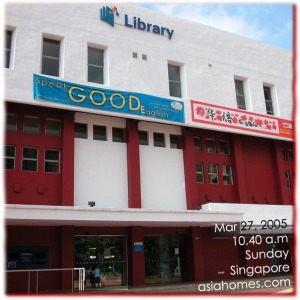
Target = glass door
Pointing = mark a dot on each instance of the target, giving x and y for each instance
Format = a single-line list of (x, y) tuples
[(106, 252), (164, 258)]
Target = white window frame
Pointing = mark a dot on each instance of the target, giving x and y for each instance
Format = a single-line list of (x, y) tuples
[(274, 98), (52, 160), (226, 174), (212, 174), (31, 159), (200, 172), (10, 157)]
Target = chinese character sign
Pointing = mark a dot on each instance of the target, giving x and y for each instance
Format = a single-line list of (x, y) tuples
[(222, 116)]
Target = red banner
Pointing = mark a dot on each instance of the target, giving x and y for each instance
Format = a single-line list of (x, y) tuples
[(242, 120)]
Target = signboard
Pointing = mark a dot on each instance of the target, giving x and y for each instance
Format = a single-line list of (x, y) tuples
[(107, 14), (238, 119), (138, 246), (63, 92)]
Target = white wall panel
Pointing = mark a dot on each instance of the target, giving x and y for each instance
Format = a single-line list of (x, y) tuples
[(162, 171), (100, 166)]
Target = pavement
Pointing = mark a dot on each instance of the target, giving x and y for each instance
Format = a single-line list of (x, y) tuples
[(255, 286)]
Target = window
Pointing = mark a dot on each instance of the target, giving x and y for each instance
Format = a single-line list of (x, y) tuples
[(199, 172), (81, 131), (31, 125), (224, 147), (227, 175), (52, 159), (213, 173), (11, 122), (288, 179), (175, 141), (50, 60), (240, 95), (197, 144), (29, 159), (10, 157), (8, 43), (95, 65), (210, 146), (159, 139), (143, 138), (99, 133), (174, 81), (53, 127), (268, 100), (118, 135)]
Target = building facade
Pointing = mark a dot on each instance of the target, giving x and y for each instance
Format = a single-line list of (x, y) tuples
[(131, 137)]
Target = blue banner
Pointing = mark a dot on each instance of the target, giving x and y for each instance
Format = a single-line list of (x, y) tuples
[(63, 92)]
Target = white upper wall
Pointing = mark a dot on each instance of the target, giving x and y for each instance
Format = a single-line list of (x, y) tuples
[(210, 58)]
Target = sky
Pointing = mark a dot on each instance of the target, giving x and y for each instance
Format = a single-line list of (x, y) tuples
[(271, 23)]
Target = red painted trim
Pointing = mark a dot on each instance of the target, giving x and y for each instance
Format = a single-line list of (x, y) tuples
[(133, 165), (189, 169), (67, 162)]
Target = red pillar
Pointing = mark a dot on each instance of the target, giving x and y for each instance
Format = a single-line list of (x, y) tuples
[(136, 258), (133, 164), (195, 262), (189, 169), (240, 169), (284, 196), (67, 161), (67, 256)]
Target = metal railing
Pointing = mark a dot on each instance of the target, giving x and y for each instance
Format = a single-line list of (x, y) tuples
[(81, 277)]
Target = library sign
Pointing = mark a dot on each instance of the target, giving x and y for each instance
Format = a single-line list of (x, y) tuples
[(264, 125), (131, 103)]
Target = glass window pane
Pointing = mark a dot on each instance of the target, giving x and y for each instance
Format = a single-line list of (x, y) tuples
[(119, 135), (224, 147), (175, 89), (95, 74), (210, 146), (53, 127), (29, 165), (51, 167), (239, 88), (51, 48), (99, 133), (11, 123), (175, 141), (143, 138), (159, 139), (10, 151), (8, 39), (95, 57), (31, 125), (30, 153), (50, 66), (81, 131), (197, 144), (52, 154), (267, 93), (7, 59), (174, 73), (9, 163)]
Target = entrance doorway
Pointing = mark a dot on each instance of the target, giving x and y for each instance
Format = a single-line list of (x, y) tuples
[(164, 259), (106, 252)]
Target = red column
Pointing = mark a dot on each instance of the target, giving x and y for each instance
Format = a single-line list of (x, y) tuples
[(67, 256), (67, 161), (136, 260), (240, 169), (189, 169), (283, 189), (195, 262), (133, 164)]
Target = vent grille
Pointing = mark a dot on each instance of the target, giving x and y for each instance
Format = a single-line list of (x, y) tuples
[(144, 57), (134, 55)]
